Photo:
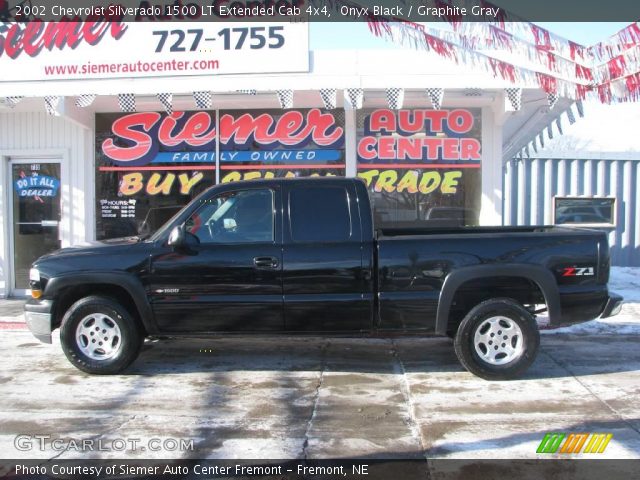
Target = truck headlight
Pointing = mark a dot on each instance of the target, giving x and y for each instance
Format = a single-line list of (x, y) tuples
[(34, 283), (34, 275)]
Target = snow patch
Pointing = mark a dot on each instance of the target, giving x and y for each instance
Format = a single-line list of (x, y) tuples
[(624, 281)]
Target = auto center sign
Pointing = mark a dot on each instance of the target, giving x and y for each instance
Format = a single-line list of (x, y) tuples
[(420, 135), (420, 150), (107, 49)]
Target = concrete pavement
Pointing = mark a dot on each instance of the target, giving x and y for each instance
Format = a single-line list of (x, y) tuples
[(12, 314), (317, 398)]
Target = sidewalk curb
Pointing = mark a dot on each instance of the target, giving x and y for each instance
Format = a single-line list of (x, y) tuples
[(20, 326)]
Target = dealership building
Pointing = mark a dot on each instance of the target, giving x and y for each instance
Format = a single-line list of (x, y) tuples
[(110, 138)]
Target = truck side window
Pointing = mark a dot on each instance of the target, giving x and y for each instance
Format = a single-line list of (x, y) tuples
[(319, 214), (244, 216)]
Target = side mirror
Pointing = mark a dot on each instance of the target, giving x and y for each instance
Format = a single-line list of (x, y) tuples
[(176, 237)]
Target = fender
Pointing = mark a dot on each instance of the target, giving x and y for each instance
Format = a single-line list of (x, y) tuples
[(118, 279), (537, 274)]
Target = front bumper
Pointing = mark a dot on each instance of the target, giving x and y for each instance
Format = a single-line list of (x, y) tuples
[(39, 318), (613, 306)]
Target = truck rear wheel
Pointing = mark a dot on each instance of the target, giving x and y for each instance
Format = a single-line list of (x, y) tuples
[(497, 340), (100, 336)]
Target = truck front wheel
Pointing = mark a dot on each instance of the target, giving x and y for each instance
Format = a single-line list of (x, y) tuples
[(497, 340), (99, 336)]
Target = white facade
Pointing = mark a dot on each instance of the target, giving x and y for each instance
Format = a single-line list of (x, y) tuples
[(28, 133), (598, 156), (36, 136)]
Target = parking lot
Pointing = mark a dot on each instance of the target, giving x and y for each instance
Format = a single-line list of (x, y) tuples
[(316, 398)]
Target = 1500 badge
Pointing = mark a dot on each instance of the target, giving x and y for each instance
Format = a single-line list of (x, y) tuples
[(577, 271)]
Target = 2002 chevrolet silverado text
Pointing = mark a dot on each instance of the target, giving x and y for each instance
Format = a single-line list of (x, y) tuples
[(302, 257)]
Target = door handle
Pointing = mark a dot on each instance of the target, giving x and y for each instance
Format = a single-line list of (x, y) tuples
[(265, 262)]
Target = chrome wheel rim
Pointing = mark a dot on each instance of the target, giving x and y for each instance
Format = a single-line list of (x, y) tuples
[(98, 336), (498, 340)]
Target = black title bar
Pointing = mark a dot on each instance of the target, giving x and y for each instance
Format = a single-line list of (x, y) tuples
[(353, 469), (321, 10)]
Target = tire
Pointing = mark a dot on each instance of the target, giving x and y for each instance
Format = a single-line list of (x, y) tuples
[(475, 342), (99, 336)]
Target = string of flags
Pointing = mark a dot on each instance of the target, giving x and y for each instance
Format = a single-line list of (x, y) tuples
[(459, 51), (554, 126), (127, 102), (84, 101), (329, 97), (166, 99), (51, 104), (395, 98), (285, 97), (608, 72), (436, 95), (514, 95), (11, 102), (204, 100), (353, 98)]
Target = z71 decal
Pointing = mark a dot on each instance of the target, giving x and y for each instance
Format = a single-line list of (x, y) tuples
[(577, 271)]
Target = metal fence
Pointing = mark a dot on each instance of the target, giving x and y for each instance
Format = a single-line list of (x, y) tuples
[(530, 186)]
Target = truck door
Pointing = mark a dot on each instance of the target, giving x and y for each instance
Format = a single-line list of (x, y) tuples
[(325, 285), (228, 277)]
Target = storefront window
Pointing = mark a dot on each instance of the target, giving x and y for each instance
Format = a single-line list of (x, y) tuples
[(151, 164), (584, 211), (281, 143), (422, 167)]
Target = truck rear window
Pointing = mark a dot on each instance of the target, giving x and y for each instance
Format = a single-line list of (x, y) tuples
[(319, 214)]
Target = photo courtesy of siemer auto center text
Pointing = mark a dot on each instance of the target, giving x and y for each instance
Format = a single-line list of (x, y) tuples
[(319, 239)]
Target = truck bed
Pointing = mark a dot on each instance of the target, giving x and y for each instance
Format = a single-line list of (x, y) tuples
[(499, 230), (413, 265)]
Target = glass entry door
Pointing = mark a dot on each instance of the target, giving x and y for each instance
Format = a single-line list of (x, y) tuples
[(35, 216)]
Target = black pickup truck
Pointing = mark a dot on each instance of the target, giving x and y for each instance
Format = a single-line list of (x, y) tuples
[(302, 257)]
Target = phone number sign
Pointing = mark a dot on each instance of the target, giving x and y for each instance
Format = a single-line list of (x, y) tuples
[(103, 49)]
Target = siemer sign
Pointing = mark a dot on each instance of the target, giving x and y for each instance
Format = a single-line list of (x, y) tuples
[(103, 49)]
